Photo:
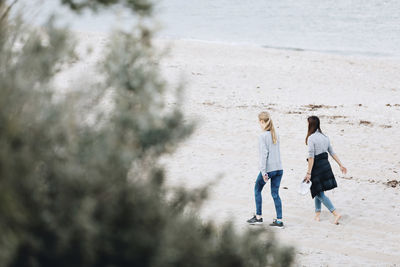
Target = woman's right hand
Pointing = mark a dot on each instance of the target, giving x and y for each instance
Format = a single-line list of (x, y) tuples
[(343, 169), (308, 177)]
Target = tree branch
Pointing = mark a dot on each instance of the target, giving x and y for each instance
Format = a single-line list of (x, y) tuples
[(4, 15)]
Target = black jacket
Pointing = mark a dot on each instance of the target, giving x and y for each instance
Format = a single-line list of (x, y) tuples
[(322, 177)]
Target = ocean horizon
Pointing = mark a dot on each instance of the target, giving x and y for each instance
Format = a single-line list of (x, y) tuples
[(350, 27)]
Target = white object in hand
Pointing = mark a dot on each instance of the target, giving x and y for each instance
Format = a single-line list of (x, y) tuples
[(304, 187)]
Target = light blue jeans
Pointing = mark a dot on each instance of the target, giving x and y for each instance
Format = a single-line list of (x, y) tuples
[(325, 200)]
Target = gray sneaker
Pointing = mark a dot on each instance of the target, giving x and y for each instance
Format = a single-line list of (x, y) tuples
[(276, 223), (254, 220)]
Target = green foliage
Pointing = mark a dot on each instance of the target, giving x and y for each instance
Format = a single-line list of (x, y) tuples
[(80, 185), (143, 7)]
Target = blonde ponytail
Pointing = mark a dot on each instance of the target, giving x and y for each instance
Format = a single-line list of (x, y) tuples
[(269, 125)]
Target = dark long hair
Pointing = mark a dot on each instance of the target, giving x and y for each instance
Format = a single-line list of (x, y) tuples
[(313, 126)]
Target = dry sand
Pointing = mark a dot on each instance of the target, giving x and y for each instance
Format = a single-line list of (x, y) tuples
[(358, 101)]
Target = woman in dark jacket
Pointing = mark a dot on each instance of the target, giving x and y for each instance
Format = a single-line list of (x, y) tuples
[(319, 170)]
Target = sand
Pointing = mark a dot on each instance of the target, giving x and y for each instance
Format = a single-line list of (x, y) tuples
[(358, 101)]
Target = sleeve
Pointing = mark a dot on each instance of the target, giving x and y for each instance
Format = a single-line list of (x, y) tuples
[(330, 149), (263, 151), (311, 147)]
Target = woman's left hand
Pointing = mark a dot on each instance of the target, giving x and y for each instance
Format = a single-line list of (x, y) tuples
[(343, 169), (308, 177)]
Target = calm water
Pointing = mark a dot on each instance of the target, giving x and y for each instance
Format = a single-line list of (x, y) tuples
[(368, 27)]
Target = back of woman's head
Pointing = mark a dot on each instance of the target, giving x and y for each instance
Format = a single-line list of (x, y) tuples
[(269, 125), (313, 126)]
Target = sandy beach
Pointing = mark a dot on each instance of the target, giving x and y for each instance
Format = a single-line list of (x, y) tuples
[(358, 101)]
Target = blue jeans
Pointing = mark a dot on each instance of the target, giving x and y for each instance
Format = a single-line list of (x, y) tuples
[(275, 178), (324, 199)]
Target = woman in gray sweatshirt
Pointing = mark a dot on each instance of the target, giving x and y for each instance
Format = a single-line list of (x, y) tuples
[(270, 166)]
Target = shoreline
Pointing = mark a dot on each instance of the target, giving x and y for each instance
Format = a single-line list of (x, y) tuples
[(346, 53), (343, 53)]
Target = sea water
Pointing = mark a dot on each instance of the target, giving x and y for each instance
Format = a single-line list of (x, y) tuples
[(366, 27)]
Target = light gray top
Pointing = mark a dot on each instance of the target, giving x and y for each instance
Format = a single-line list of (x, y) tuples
[(319, 143), (270, 155)]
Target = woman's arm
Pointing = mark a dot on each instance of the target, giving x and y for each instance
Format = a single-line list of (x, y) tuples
[(335, 157), (342, 168), (311, 154), (310, 165), (263, 151)]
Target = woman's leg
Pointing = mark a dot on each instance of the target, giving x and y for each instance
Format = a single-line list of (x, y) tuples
[(257, 194), (275, 183), (328, 204), (317, 202), (326, 201), (337, 216)]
